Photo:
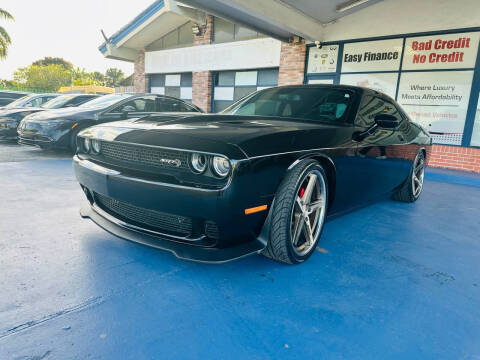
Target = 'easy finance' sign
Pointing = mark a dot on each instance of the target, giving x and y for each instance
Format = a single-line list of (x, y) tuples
[(383, 55)]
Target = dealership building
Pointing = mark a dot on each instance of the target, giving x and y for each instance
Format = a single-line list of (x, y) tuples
[(423, 53)]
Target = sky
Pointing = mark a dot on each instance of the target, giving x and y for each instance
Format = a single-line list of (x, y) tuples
[(65, 28)]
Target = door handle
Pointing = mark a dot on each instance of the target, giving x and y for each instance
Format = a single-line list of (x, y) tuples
[(360, 135)]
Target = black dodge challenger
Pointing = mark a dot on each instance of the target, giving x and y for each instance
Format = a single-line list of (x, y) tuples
[(260, 177), (59, 128)]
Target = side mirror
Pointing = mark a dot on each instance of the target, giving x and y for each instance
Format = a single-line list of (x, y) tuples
[(387, 121), (128, 109)]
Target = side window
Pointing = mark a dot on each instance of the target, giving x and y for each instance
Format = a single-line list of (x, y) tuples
[(40, 100), (45, 99), (146, 104), (331, 107), (170, 105), (79, 100), (371, 106)]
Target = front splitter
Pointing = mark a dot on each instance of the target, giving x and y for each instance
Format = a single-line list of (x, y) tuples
[(180, 250)]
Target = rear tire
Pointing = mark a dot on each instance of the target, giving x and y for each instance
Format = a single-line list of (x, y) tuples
[(298, 214), (412, 187)]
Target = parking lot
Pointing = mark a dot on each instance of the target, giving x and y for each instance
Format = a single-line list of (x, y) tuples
[(392, 278)]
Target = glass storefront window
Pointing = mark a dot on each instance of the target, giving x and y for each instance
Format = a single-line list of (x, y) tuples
[(430, 77)]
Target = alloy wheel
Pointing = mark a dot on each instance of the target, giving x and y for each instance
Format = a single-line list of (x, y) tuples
[(418, 175), (308, 213)]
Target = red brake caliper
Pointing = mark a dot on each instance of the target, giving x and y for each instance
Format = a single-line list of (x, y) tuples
[(302, 191)]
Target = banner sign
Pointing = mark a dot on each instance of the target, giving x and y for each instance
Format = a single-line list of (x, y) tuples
[(449, 51), (438, 100), (383, 55), (322, 60)]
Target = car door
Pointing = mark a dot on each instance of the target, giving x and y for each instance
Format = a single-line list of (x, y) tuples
[(381, 164)]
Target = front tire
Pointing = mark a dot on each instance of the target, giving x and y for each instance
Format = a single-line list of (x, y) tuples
[(298, 213), (412, 187)]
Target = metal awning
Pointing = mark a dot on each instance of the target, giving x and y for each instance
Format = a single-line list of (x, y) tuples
[(157, 20)]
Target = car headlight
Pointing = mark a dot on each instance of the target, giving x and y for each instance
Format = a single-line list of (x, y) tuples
[(221, 166), (198, 162), (87, 145), (96, 146)]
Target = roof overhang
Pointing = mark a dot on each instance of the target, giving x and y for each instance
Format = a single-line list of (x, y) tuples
[(157, 20), (282, 19), (279, 19)]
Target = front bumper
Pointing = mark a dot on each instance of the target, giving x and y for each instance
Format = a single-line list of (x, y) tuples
[(46, 139), (35, 140), (239, 234)]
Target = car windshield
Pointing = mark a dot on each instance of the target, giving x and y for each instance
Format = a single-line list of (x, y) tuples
[(57, 102), (311, 103), (20, 102), (104, 101)]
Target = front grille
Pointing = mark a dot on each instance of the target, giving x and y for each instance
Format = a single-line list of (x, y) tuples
[(155, 220), (161, 158)]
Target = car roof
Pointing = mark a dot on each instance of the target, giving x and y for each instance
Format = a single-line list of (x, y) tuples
[(158, 95), (331, 86), (75, 95), (14, 92), (360, 89)]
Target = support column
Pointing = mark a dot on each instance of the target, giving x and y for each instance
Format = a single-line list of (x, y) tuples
[(140, 79), (292, 63), (202, 90), (202, 80)]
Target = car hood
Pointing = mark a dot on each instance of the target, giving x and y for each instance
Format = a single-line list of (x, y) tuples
[(253, 135), (12, 111)]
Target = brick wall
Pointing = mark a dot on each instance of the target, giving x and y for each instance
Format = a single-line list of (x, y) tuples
[(454, 157), (140, 79), (292, 63), (202, 80), (202, 90)]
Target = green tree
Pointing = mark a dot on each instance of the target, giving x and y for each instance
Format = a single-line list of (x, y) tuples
[(113, 77), (5, 40), (98, 77), (128, 81), (48, 60), (44, 78)]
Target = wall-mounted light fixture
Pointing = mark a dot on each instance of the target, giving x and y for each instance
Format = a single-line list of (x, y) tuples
[(196, 29), (350, 5)]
